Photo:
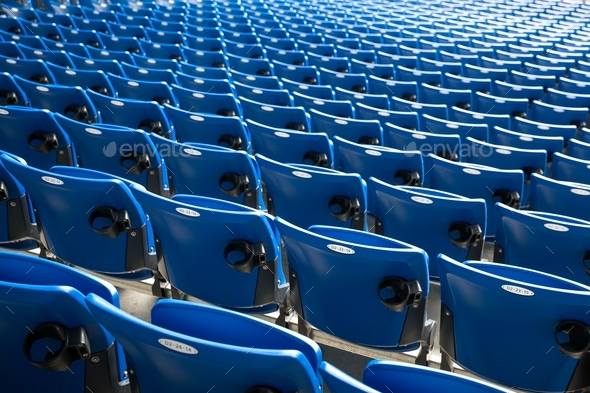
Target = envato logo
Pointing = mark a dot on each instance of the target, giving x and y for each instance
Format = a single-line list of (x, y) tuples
[(165, 150), (456, 151)]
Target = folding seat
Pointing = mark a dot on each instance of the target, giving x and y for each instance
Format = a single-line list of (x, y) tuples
[(405, 61), (457, 227), (336, 64), (86, 37), (563, 55), (458, 82), (206, 58), (29, 14), (47, 30), (133, 20), (462, 58), (95, 80), (223, 104), (395, 266), (487, 103), (349, 42), (441, 66), (172, 32), (432, 78), (242, 37), (264, 96), (299, 74), (316, 47), (520, 293), (263, 82), (551, 144), (293, 118), (435, 110), (525, 79), (510, 90), (135, 114), (403, 377), (544, 129), (28, 40), (119, 151), (10, 91), (34, 70), (141, 90), (11, 49), (163, 51), (362, 55), (297, 356), (374, 100), (497, 74), (138, 11), (117, 236), (99, 25), (48, 298), (570, 169), (210, 44), (329, 107), (297, 58), (122, 30), (235, 26), (430, 45), (121, 44), (255, 51), (323, 92), (578, 75), (493, 185), (224, 131), (565, 99), (60, 57), (337, 198), (436, 125), (12, 25), (288, 44), (547, 113), (107, 66), (447, 146), (212, 171), (584, 135), (406, 90), (559, 197), (101, 54), (403, 119), (389, 165), (466, 116), (149, 74), (450, 97), (203, 32), (250, 66), (564, 237), (554, 62), (572, 86)]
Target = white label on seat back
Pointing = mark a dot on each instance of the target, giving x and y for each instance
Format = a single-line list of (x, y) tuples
[(340, 249), (92, 131), (42, 88), (117, 103), (471, 171), (267, 108), (525, 138), (556, 227), (303, 175), (197, 118), (518, 290), (281, 134), (503, 151), (422, 200), (52, 180), (3, 112), (373, 153), (192, 152), (177, 346), (578, 191), (418, 136), (187, 212)]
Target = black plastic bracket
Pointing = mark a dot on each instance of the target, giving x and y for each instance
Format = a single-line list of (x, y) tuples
[(232, 142), (369, 140), (579, 338), (20, 226), (348, 207), (152, 126), (407, 178), (120, 221), (47, 141), (468, 234), (317, 159), (509, 198), (75, 346), (498, 253), (240, 184), (406, 293), (8, 98), (447, 337), (142, 162), (254, 255), (586, 262), (77, 112)]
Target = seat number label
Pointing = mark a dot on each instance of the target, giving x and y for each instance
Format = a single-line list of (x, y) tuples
[(177, 346)]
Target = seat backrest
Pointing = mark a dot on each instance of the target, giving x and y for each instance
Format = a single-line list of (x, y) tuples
[(120, 151), (212, 171), (387, 164), (554, 196), (293, 118), (88, 218), (340, 382), (35, 136), (47, 298), (566, 253), (202, 351), (361, 131), (566, 168), (482, 337), (308, 195), (359, 269), (10, 91), (143, 90), (245, 259), (410, 378), (493, 185), (436, 221)]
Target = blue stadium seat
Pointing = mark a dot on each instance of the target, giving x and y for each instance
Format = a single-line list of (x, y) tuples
[(10, 91), (201, 58), (33, 70), (561, 98), (222, 339), (392, 322), (544, 129), (212, 171), (570, 169), (553, 114), (578, 149), (142, 90), (564, 253), (292, 147), (465, 116), (403, 119), (458, 82), (329, 107), (95, 80), (149, 74), (135, 114), (263, 82), (293, 118), (493, 185), (223, 104), (112, 234), (457, 225), (203, 84), (482, 341), (435, 110), (246, 257), (34, 135), (307, 195), (380, 101), (487, 103), (299, 74), (447, 146), (83, 63), (224, 131), (367, 132), (386, 164), (559, 197), (450, 97), (352, 82), (435, 125), (54, 354), (120, 151), (402, 378), (264, 96), (519, 140)]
